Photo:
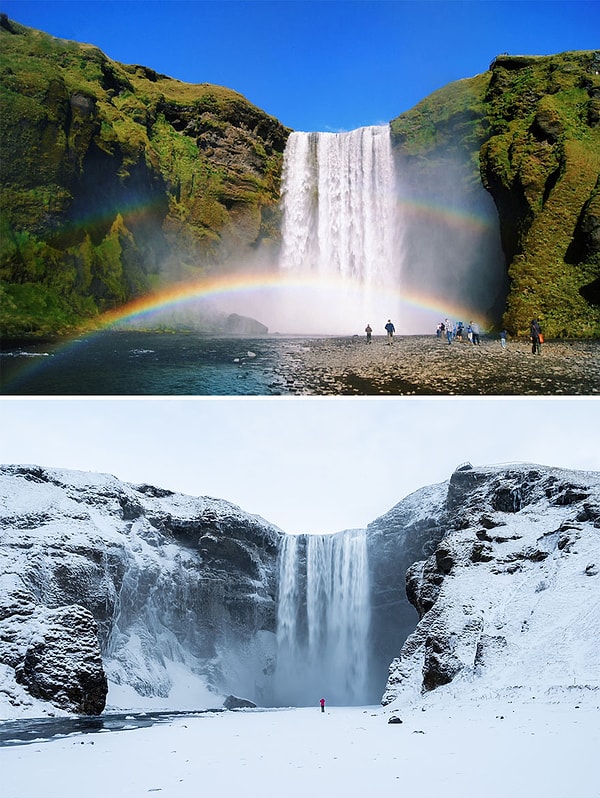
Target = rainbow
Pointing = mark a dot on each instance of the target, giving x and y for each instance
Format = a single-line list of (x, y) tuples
[(468, 221), (174, 296)]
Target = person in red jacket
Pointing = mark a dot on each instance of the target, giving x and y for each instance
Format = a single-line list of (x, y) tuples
[(322, 702)]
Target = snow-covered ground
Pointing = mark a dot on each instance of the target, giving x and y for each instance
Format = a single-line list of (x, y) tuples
[(523, 746)]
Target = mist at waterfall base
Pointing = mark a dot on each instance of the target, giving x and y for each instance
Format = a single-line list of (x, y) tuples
[(366, 238)]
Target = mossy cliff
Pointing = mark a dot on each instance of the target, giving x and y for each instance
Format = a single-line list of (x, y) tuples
[(528, 129), (115, 177)]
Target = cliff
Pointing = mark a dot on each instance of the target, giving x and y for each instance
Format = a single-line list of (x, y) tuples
[(174, 601), (101, 580), (508, 599), (116, 179), (528, 132)]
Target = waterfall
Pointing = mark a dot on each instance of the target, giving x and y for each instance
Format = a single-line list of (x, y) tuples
[(323, 620), (340, 225)]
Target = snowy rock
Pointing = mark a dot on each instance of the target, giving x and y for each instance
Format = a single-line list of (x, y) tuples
[(406, 534), (134, 583), (233, 702), (509, 596), (63, 664)]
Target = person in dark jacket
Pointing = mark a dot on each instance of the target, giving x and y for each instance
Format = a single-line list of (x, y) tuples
[(536, 337), (322, 703), (390, 330)]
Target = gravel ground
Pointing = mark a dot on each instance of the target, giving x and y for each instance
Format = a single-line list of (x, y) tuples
[(426, 365)]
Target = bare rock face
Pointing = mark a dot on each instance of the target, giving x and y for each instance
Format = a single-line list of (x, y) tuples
[(406, 534), (55, 653)]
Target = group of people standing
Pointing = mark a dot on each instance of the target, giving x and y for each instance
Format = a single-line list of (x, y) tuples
[(457, 332)]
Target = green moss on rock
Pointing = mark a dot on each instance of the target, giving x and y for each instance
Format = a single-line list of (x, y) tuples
[(528, 129), (113, 174)]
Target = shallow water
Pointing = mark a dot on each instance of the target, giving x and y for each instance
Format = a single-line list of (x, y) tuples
[(133, 363), (31, 730)]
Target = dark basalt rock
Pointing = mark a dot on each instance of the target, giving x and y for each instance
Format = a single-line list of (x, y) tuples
[(440, 665), (63, 664), (243, 325), (444, 559)]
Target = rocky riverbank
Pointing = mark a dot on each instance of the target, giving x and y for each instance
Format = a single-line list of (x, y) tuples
[(426, 365)]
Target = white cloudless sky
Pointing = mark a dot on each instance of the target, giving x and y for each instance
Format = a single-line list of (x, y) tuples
[(306, 465)]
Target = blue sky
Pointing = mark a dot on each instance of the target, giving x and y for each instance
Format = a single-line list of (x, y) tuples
[(320, 65)]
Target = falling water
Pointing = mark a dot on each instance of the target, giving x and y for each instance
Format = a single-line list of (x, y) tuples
[(323, 620), (340, 225)]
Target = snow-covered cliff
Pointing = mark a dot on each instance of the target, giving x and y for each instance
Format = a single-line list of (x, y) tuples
[(510, 598), (167, 592)]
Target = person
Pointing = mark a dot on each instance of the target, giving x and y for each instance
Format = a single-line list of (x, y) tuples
[(368, 331), (390, 329), (536, 337), (322, 702), (475, 329), (503, 339), (459, 331), (470, 333), (449, 330)]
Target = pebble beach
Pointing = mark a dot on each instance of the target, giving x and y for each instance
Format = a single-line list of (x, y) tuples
[(429, 366)]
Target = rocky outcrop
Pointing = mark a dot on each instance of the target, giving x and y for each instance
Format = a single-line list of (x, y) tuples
[(541, 164), (55, 653), (242, 325), (233, 702), (101, 579), (510, 581), (409, 532)]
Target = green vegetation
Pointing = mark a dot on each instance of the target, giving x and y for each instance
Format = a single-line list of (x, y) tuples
[(541, 165), (529, 129), (113, 175)]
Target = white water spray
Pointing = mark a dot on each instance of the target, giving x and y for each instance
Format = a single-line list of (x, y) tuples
[(323, 619), (340, 229)]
